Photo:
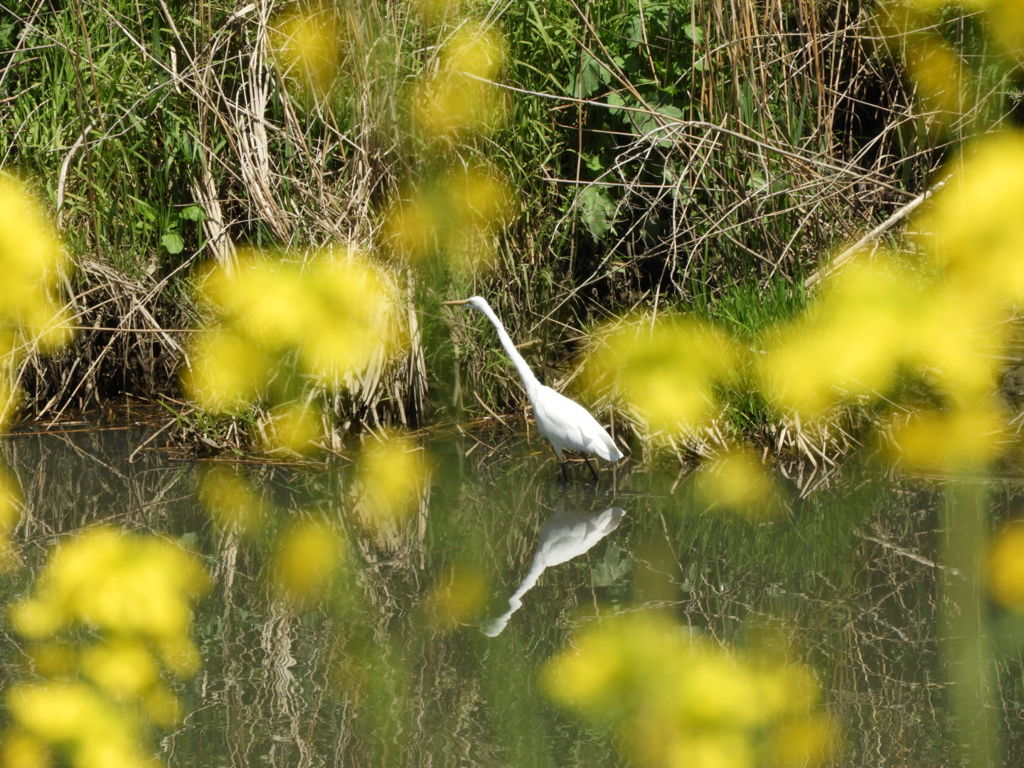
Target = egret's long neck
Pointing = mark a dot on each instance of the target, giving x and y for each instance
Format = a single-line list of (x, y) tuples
[(529, 380)]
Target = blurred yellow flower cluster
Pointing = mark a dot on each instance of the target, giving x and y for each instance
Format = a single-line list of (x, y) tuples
[(667, 369), (1005, 566), (956, 89), (326, 318), (134, 594), (437, 10), (737, 480), (307, 558), (10, 513), (1005, 19), (848, 343), (459, 214), (298, 427), (973, 228), (457, 99), (459, 210), (675, 698), (391, 473), (231, 502), (945, 321), (33, 262), (307, 44)]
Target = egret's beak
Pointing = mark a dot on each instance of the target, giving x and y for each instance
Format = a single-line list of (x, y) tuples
[(455, 303)]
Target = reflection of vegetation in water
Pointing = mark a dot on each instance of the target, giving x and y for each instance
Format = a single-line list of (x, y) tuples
[(366, 674)]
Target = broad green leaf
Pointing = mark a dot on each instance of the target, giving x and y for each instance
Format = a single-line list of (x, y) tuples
[(597, 211), (193, 213), (172, 242)]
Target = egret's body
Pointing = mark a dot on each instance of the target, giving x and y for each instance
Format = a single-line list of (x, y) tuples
[(564, 422)]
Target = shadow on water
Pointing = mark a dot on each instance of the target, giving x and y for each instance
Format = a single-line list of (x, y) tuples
[(372, 676)]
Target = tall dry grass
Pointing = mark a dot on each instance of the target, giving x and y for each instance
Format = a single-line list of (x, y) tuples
[(666, 154)]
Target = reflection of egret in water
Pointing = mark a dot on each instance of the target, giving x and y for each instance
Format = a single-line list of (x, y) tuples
[(562, 537)]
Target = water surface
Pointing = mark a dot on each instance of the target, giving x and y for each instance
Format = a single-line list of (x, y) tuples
[(370, 677)]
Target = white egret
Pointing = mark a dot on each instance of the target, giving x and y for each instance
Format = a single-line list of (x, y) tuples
[(564, 422)]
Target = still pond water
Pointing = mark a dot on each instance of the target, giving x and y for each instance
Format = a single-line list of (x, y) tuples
[(851, 570)]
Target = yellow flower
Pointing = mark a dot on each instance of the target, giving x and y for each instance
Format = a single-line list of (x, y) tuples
[(230, 501), (475, 49), (123, 668), (938, 72), (59, 711), (30, 250), (1005, 566), (972, 226), (807, 740), (964, 438), (713, 750), (719, 689), (33, 618), (226, 373), (268, 300), (162, 706), (114, 581), (307, 558), (676, 699), (295, 427), (957, 338), (848, 343), (309, 44), (20, 750), (179, 654), (435, 10), (414, 227), (665, 368), (737, 480), (10, 501), (391, 473), (53, 659), (453, 100), (583, 677), (354, 321), (459, 215)]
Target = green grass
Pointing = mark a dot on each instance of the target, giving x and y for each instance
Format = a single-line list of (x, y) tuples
[(765, 137)]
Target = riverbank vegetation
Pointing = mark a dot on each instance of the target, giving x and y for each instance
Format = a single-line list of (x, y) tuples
[(669, 156)]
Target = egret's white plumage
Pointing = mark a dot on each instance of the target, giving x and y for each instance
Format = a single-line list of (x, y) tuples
[(564, 422)]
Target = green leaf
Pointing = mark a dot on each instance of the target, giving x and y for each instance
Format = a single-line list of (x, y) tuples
[(635, 35), (756, 181), (193, 213), (695, 33), (592, 74), (614, 100), (669, 111), (597, 210), (594, 163), (172, 242), (587, 82)]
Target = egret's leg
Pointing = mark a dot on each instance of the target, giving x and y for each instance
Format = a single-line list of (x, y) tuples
[(561, 461), (591, 468)]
